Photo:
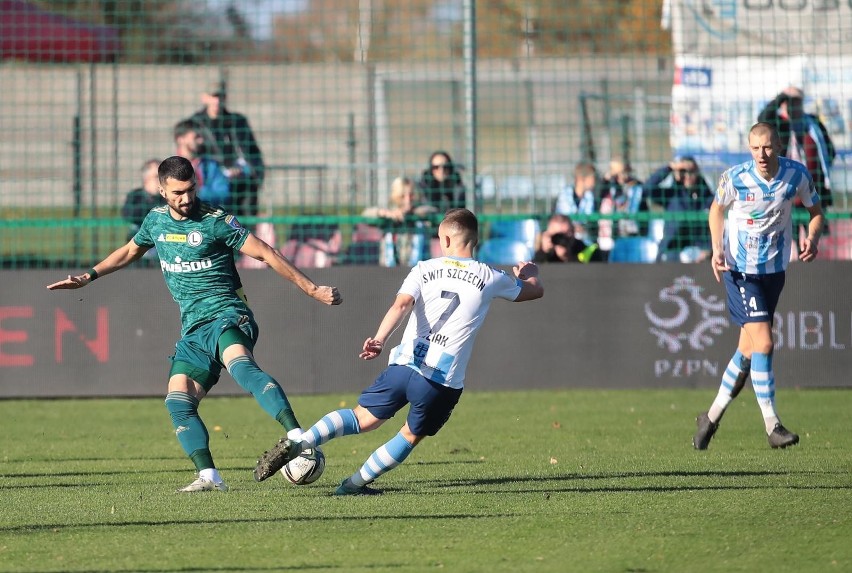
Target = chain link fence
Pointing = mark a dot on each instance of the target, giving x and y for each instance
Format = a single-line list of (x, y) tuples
[(342, 98)]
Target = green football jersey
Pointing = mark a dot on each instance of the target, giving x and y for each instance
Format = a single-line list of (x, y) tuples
[(197, 259)]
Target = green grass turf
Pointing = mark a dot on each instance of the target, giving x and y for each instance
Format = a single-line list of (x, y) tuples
[(525, 481)]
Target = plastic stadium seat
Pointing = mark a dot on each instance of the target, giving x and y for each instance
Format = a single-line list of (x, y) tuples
[(312, 254), (365, 233), (524, 230), (265, 232), (833, 248), (503, 251), (634, 250)]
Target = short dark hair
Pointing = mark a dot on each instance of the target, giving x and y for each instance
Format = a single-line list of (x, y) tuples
[(148, 163), (441, 153), (183, 127), (177, 168)]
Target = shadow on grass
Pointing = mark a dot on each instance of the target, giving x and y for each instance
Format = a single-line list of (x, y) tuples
[(546, 483), (307, 519)]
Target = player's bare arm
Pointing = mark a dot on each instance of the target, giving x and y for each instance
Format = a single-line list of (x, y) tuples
[(810, 246), (260, 250), (527, 272), (118, 259), (400, 308), (716, 221)]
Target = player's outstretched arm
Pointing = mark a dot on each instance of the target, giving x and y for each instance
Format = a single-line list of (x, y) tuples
[(118, 259), (260, 250), (527, 272), (402, 305)]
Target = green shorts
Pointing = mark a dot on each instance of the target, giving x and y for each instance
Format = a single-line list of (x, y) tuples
[(198, 353)]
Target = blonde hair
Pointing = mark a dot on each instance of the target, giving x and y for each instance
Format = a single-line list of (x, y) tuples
[(398, 188), (762, 128)]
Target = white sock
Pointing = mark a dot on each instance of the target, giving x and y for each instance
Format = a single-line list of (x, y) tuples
[(294, 434), (210, 474), (763, 381), (770, 422), (719, 405)]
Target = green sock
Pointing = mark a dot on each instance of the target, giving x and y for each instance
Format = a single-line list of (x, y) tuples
[(287, 418), (189, 429), (265, 390)]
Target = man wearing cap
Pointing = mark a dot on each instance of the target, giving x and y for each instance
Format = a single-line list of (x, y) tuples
[(229, 139)]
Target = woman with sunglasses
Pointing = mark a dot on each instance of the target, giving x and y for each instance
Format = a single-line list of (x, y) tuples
[(441, 183)]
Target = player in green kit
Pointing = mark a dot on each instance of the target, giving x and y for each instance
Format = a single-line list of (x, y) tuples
[(196, 243)]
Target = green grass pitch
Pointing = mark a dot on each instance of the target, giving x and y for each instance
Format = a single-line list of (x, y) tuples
[(534, 481)]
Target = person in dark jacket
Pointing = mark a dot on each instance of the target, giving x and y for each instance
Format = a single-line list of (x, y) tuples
[(139, 201), (229, 140), (804, 138), (142, 199), (441, 183), (680, 187)]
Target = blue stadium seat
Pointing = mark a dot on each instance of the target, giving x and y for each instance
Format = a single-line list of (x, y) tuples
[(634, 250), (503, 251), (524, 230)]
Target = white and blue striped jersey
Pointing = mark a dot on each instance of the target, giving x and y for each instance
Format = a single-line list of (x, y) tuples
[(451, 298), (568, 204), (759, 228)]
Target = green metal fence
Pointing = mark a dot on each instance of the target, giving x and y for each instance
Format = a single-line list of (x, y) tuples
[(344, 97)]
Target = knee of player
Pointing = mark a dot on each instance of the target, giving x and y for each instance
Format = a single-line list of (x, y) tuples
[(366, 420)]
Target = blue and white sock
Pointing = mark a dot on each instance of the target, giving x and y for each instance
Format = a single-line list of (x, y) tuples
[(726, 388), (332, 425), (763, 381), (383, 460)]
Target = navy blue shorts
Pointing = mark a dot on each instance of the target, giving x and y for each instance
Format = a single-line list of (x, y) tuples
[(431, 403), (753, 298)]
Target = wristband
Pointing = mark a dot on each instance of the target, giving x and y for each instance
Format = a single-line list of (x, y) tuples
[(93, 274)]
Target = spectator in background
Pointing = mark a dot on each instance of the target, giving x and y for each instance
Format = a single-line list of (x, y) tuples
[(557, 223), (441, 183), (212, 180), (229, 140), (406, 239), (679, 187), (570, 249), (579, 198), (139, 201), (626, 195), (803, 138)]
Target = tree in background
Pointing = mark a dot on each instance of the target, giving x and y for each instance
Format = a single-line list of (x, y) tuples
[(177, 31)]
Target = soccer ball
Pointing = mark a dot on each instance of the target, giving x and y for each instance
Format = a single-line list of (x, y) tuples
[(306, 468)]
